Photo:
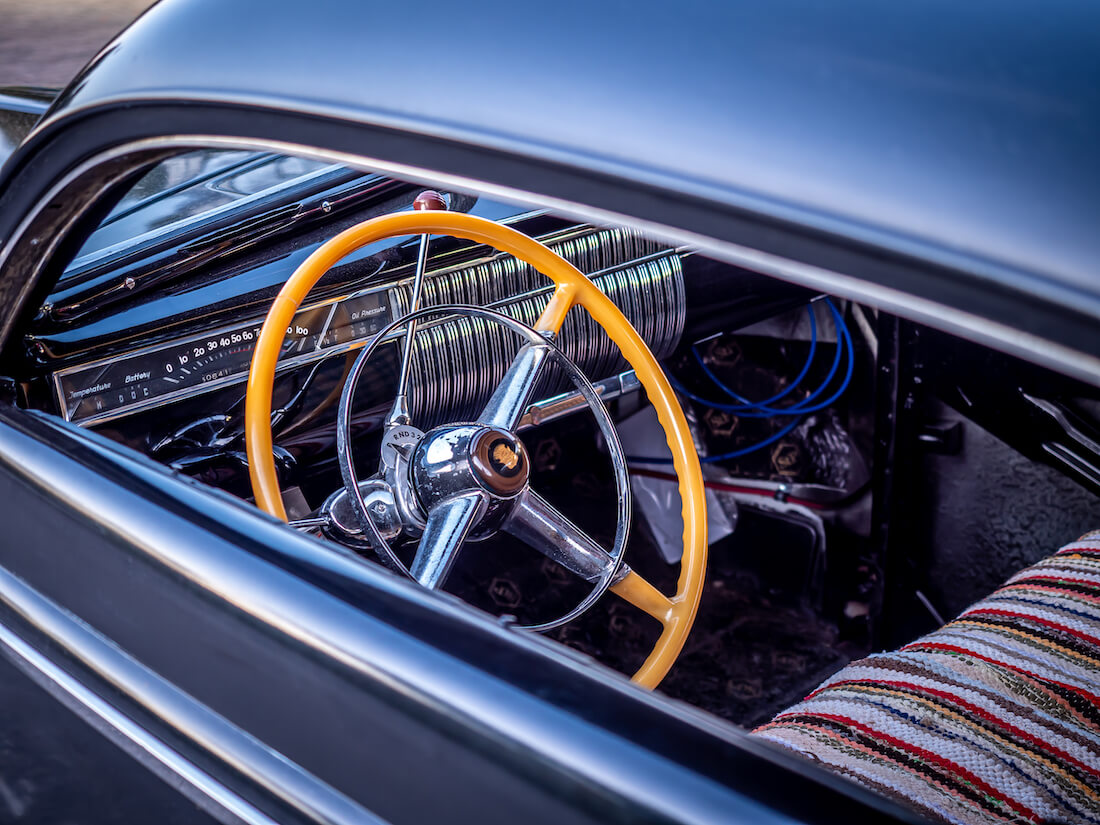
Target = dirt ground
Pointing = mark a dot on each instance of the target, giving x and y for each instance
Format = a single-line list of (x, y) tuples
[(45, 42)]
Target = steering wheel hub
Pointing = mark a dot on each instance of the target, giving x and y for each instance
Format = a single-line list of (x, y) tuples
[(459, 459), (500, 461)]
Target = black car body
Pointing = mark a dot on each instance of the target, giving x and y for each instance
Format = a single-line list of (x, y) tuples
[(932, 160)]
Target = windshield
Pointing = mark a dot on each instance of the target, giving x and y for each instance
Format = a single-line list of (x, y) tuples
[(190, 189)]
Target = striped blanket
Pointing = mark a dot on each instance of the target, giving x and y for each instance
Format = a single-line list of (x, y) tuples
[(995, 717)]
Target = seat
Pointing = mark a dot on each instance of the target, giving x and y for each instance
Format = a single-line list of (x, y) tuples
[(995, 717)]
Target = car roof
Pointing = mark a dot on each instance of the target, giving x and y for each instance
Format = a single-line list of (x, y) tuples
[(965, 133)]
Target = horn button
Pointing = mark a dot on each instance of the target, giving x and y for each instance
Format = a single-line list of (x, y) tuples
[(460, 458), (500, 461)]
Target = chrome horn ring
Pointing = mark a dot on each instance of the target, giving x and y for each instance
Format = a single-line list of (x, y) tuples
[(503, 415)]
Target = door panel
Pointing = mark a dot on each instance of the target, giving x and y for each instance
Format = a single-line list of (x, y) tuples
[(405, 702)]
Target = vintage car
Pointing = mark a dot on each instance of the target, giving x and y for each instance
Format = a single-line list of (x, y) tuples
[(324, 503)]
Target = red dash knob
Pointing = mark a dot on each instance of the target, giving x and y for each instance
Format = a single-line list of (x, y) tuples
[(430, 199)]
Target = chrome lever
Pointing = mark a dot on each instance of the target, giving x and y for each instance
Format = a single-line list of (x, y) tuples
[(427, 200), (310, 523)]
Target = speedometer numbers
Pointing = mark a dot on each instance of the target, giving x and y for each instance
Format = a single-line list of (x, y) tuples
[(155, 375)]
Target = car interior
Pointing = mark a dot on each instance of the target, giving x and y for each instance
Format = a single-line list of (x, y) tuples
[(866, 478)]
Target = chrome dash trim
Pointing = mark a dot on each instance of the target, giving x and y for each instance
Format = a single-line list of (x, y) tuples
[(217, 383), (662, 337)]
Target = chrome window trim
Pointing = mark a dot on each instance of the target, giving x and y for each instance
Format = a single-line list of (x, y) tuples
[(214, 733), (1028, 346), (339, 631)]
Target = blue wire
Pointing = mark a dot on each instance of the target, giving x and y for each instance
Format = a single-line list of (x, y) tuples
[(759, 411), (711, 459), (750, 405), (844, 341), (771, 439)]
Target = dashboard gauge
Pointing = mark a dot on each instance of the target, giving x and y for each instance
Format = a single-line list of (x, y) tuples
[(155, 375)]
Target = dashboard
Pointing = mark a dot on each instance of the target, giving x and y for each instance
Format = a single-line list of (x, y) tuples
[(149, 333)]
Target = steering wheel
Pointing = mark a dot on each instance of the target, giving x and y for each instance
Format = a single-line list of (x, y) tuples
[(487, 448)]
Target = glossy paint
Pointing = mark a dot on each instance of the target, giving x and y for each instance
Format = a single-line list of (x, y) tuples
[(49, 751), (970, 127), (929, 149)]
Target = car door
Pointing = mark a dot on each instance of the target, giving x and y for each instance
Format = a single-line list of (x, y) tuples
[(264, 676)]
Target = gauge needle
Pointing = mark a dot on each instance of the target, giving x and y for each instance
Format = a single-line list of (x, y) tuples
[(399, 413)]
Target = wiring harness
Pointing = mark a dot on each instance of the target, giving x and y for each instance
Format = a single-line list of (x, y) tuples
[(744, 408)]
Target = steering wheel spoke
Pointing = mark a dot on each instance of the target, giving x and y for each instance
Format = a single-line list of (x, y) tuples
[(448, 525), (644, 596), (539, 524), (511, 397), (509, 400), (553, 314)]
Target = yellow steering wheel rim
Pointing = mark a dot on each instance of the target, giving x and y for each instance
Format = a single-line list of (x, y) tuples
[(676, 613)]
